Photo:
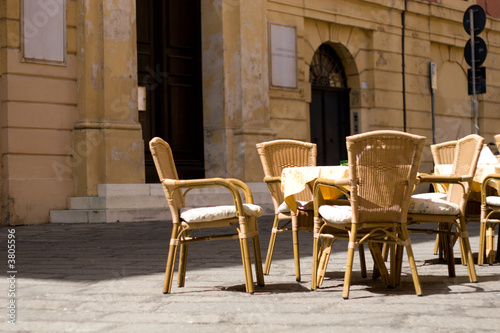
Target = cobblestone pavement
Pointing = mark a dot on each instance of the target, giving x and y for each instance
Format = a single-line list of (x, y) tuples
[(108, 278)]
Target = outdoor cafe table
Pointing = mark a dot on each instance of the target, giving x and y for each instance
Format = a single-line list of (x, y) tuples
[(294, 180)]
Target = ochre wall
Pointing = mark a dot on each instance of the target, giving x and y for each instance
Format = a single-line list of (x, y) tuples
[(68, 127), (38, 110), (369, 37)]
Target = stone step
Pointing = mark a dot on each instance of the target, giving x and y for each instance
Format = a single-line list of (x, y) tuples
[(145, 202), (109, 215)]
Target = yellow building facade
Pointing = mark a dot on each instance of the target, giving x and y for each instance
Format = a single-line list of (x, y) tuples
[(270, 69)]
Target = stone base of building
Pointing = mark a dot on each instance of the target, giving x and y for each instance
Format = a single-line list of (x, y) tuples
[(145, 202)]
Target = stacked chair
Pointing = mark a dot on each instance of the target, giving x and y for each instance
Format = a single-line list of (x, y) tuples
[(383, 169), (188, 221)]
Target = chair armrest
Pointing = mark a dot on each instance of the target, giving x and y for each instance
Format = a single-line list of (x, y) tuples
[(270, 180), (493, 176), (489, 181), (230, 184), (244, 188), (426, 178), (320, 182), (332, 182)]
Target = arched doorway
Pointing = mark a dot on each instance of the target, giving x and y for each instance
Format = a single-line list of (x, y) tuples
[(329, 110)]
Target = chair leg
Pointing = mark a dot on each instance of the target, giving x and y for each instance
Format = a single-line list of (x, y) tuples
[(379, 261), (314, 273), (448, 253), (498, 243), (411, 260), (490, 250), (350, 258), (325, 251), (169, 271), (467, 251), (181, 278), (257, 260), (436, 245), (440, 242), (482, 242), (296, 255), (462, 253), (398, 265), (362, 261), (247, 266), (272, 242)]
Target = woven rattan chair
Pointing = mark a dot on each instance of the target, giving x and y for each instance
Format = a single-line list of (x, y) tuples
[(490, 215), (450, 212), (241, 216), (383, 168), (444, 152), (275, 156)]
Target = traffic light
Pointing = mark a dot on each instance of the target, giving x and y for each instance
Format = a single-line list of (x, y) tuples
[(475, 50)]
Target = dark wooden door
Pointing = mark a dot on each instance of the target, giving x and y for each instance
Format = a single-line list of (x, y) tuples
[(169, 66), (330, 123)]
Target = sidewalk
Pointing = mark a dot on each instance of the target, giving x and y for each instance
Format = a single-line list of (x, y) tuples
[(108, 278)]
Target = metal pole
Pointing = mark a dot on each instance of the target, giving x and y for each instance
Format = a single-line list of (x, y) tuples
[(433, 79), (473, 69), (433, 120)]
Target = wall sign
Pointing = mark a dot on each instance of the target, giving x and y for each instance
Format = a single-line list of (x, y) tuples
[(43, 31), (283, 56)]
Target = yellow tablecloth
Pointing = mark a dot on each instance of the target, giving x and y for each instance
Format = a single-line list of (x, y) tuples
[(295, 180)]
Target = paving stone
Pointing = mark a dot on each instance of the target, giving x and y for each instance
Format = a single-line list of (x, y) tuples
[(108, 278)]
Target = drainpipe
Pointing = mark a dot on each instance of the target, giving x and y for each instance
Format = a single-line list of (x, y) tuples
[(403, 29)]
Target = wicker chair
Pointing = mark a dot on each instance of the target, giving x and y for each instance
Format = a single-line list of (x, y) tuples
[(383, 168), (444, 152), (243, 217), (450, 212), (490, 211), (275, 156)]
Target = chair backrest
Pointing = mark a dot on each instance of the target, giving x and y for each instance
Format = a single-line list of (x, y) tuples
[(279, 154), (383, 169), (165, 166), (464, 164), (444, 152)]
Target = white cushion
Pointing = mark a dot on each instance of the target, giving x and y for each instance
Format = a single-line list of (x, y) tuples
[(493, 201), (430, 195), (336, 214), (432, 206), (302, 205), (206, 214)]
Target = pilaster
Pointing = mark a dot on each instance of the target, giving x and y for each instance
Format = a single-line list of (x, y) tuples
[(236, 88), (108, 144)]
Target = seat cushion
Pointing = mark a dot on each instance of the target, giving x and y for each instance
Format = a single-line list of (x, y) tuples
[(206, 214), (433, 206), (336, 214), (493, 200), (302, 205)]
